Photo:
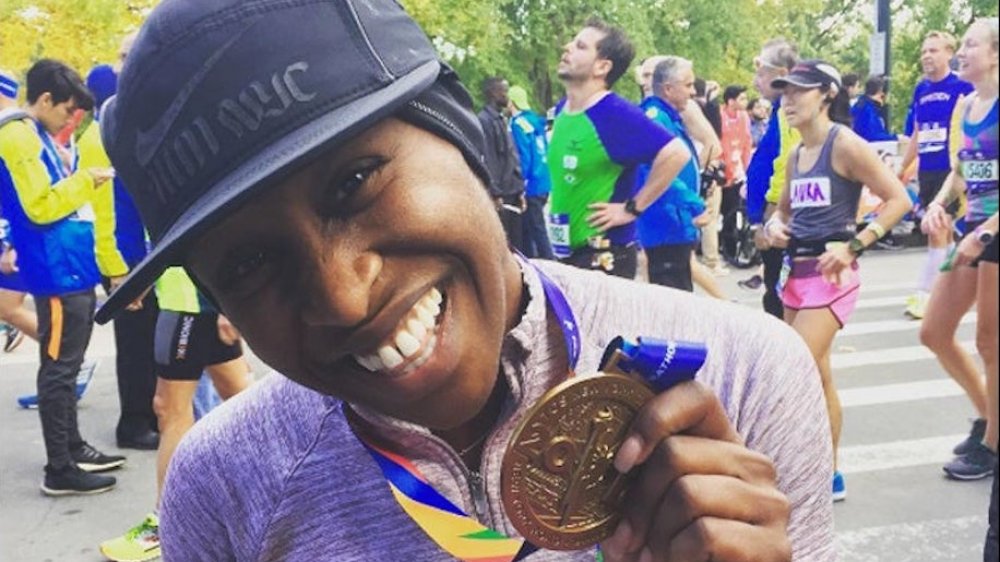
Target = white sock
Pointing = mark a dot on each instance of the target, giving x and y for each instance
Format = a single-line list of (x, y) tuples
[(935, 257)]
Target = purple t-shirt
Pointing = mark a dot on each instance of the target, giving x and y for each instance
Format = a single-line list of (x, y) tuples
[(932, 107)]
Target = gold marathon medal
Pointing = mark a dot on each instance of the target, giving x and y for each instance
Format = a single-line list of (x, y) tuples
[(558, 483)]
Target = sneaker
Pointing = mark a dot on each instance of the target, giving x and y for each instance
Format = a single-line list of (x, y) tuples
[(839, 488), (73, 481), (14, 339), (83, 378), (142, 542), (90, 459), (975, 438), (916, 305), (889, 244), (751, 284), (978, 463)]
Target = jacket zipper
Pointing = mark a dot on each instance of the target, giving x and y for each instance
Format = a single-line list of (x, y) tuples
[(478, 497)]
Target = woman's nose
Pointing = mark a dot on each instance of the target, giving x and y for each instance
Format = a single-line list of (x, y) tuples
[(337, 289)]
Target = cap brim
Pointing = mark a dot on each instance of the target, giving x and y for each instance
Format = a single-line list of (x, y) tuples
[(791, 79), (272, 164)]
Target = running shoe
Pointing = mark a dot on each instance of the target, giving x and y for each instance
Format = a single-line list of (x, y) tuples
[(141, 543), (751, 284), (90, 459), (975, 438), (916, 305), (977, 464), (71, 480), (83, 378), (14, 338), (839, 488)]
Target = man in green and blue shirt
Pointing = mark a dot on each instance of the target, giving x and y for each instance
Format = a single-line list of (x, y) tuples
[(599, 140)]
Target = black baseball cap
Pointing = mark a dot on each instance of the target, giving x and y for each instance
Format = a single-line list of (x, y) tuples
[(810, 74), (219, 99)]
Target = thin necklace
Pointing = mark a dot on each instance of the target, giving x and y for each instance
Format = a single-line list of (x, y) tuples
[(468, 449)]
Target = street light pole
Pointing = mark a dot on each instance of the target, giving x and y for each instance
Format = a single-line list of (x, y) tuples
[(881, 60)]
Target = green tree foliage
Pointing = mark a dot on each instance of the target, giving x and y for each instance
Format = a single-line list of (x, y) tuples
[(80, 34), (522, 39)]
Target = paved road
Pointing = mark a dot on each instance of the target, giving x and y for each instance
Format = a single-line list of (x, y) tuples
[(902, 416)]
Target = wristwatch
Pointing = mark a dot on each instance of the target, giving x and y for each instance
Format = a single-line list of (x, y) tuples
[(985, 237), (856, 246), (630, 207)]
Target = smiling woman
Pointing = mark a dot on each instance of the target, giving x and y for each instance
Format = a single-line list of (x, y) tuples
[(353, 243)]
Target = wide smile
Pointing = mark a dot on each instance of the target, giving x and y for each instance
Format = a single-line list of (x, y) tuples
[(413, 342)]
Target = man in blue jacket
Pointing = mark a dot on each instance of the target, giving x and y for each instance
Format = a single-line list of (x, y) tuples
[(667, 230), (869, 112), (528, 130), (52, 227)]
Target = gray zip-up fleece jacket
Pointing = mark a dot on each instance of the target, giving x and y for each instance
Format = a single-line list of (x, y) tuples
[(276, 474)]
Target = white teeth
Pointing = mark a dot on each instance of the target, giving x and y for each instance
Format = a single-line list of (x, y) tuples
[(426, 317), (406, 343), (371, 363), (416, 328), (390, 357), (410, 338)]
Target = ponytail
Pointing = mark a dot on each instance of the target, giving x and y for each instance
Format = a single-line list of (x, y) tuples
[(839, 108)]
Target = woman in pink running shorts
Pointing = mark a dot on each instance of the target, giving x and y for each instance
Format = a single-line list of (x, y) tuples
[(815, 219)]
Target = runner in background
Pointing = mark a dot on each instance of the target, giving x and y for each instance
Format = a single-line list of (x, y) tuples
[(933, 103)]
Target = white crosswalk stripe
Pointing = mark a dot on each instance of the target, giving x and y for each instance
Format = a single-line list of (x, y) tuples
[(890, 356), (898, 454)]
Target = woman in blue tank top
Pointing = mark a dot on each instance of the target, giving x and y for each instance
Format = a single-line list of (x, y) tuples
[(970, 274), (817, 214)]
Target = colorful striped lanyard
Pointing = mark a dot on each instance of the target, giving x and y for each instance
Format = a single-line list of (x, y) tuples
[(445, 523)]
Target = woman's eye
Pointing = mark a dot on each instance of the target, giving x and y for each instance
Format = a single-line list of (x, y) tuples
[(344, 187), (245, 273)]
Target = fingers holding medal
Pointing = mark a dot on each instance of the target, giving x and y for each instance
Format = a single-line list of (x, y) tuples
[(698, 493)]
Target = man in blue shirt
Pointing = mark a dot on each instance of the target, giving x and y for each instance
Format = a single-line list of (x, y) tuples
[(528, 130), (868, 113), (667, 229), (934, 100)]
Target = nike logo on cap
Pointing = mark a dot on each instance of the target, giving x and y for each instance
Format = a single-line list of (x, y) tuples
[(149, 141)]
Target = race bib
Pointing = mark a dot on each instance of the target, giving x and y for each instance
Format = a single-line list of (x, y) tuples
[(934, 135), (558, 228), (979, 170), (810, 192)]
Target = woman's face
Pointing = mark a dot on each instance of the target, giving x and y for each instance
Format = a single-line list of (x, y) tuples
[(378, 274), (801, 105), (976, 57)]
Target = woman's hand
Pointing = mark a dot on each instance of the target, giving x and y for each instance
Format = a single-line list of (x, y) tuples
[(935, 219), (700, 493), (834, 261), (968, 250), (778, 233)]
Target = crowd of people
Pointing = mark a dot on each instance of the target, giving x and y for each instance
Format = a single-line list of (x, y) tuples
[(419, 276)]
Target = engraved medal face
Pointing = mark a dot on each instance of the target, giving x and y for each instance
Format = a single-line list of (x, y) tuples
[(559, 484)]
